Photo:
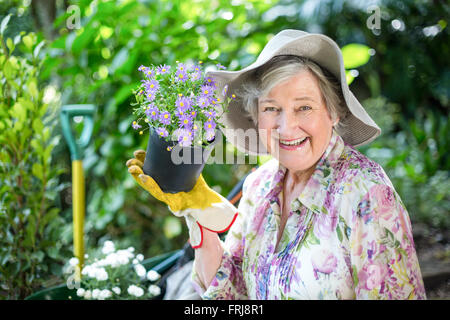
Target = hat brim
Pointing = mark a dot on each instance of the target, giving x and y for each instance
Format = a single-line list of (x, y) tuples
[(359, 127)]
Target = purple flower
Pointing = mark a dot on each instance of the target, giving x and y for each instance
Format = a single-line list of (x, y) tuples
[(183, 103), (194, 127), (148, 72), (185, 121), (151, 85), (210, 113), (150, 96), (181, 67), (220, 67), (195, 76), (181, 76), (164, 117), (207, 91), (180, 112), (210, 82), (209, 125), (192, 113), (162, 132), (163, 69), (196, 73), (203, 101), (185, 137), (224, 91), (152, 112), (196, 68), (135, 125), (210, 134)]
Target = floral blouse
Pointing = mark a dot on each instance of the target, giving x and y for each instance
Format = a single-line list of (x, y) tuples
[(348, 236)]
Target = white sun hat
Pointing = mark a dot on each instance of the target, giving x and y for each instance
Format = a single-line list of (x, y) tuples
[(359, 127)]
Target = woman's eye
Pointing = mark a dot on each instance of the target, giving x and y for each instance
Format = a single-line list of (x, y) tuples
[(304, 108), (269, 109)]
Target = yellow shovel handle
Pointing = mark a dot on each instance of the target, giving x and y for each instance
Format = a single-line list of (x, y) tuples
[(78, 202)]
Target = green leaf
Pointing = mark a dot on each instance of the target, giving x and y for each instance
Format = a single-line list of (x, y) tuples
[(355, 55), (37, 146), (355, 276), (38, 48), (88, 33), (48, 152), (46, 134), (19, 111), (38, 255), (312, 239), (37, 126), (33, 90), (37, 171), (48, 216), (339, 233), (8, 70), (10, 45), (119, 59), (123, 93), (28, 41)]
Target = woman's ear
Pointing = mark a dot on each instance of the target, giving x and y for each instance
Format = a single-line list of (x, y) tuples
[(336, 122)]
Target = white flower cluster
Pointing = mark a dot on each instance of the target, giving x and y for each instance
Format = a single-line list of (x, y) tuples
[(114, 259), (154, 290), (96, 294), (96, 272), (135, 291)]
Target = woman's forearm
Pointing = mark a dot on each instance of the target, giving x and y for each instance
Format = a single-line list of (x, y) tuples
[(208, 257)]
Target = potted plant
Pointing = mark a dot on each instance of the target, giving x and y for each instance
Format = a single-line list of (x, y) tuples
[(181, 108)]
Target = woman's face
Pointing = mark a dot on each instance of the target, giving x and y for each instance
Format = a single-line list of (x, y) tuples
[(292, 111)]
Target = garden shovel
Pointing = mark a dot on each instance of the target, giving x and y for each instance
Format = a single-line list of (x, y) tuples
[(76, 148)]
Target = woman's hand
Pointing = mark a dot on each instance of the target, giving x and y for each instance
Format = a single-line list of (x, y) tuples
[(202, 206), (200, 197)]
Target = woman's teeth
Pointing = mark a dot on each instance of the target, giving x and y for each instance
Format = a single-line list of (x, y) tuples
[(293, 142)]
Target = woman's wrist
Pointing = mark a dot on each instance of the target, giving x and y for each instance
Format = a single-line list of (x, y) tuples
[(208, 257)]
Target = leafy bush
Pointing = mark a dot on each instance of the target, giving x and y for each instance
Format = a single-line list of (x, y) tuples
[(415, 159), (30, 250), (98, 64)]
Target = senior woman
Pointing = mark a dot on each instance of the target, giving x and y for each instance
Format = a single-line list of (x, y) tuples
[(318, 221)]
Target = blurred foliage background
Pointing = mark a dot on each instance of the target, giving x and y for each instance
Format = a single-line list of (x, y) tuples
[(404, 86)]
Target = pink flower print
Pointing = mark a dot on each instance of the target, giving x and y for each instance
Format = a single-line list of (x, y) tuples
[(372, 275), (326, 224), (324, 261), (385, 200), (405, 224)]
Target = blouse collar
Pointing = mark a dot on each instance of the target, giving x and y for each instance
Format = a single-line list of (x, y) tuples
[(314, 194)]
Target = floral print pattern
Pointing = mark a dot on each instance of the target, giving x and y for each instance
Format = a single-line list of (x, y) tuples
[(348, 236)]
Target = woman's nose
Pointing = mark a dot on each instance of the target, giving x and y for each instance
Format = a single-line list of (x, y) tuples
[(286, 124)]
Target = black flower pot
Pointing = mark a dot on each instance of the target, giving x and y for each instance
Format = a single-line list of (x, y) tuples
[(176, 170)]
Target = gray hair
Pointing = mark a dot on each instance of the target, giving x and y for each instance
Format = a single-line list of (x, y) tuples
[(259, 82)]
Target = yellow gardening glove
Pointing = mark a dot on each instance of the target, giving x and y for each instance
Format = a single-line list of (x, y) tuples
[(202, 206)]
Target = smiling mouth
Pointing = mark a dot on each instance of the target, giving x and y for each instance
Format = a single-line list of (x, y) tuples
[(293, 144)]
